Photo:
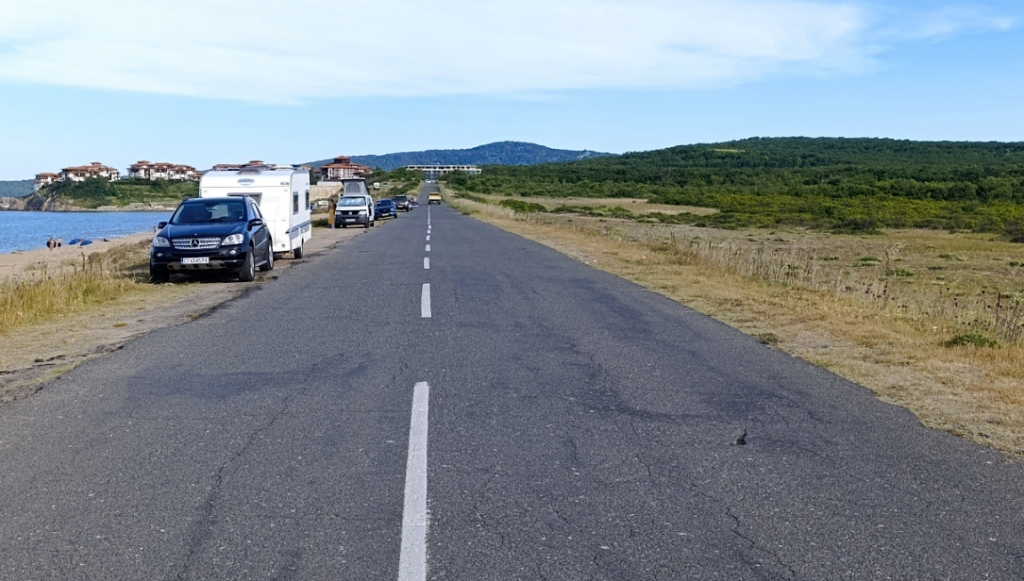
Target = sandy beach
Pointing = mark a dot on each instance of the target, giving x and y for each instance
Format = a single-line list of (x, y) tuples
[(17, 263)]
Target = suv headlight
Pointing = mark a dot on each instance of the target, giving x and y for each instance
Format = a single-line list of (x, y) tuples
[(362, 212), (233, 240), (161, 242)]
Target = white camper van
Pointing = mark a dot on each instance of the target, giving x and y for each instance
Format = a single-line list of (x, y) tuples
[(282, 193), (355, 205)]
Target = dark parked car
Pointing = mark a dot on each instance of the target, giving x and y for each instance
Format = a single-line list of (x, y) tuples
[(403, 202), (385, 207), (207, 234)]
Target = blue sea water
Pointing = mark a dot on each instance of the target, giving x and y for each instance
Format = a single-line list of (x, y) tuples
[(31, 230)]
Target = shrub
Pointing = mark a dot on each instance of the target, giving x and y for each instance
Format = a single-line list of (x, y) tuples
[(976, 339), (521, 207)]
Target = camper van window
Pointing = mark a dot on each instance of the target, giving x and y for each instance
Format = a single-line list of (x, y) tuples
[(307, 198), (255, 196), (353, 201), (295, 202)]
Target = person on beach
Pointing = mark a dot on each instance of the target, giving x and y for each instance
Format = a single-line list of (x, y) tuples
[(51, 243), (330, 213), (59, 241)]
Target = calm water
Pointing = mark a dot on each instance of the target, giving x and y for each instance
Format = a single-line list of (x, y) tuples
[(31, 230)]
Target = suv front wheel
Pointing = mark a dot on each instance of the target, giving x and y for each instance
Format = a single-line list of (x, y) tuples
[(269, 264), (247, 272), (156, 275)]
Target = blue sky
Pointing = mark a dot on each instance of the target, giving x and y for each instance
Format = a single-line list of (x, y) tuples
[(204, 82)]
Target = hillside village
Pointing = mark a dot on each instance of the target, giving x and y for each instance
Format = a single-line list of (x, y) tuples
[(340, 168)]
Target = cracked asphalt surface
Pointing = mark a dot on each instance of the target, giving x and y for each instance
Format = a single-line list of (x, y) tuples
[(580, 428)]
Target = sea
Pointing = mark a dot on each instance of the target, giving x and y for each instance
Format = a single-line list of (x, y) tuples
[(30, 230)]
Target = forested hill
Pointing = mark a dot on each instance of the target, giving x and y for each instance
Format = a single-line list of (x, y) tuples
[(801, 161), (15, 188), (501, 153), (818, 182)]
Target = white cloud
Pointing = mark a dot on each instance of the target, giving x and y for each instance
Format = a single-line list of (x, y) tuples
[(272, 52), (894, 24)]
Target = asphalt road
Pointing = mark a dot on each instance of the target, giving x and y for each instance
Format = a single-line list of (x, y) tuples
[(570, 425)]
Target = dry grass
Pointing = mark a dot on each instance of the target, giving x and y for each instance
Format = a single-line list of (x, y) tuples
[(637, 206), (47, 293), (882, 323)]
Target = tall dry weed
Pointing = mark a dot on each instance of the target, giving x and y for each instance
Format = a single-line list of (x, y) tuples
[(46, 294)]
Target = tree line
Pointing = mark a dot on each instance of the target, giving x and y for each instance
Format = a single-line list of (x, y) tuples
[(832, 183)]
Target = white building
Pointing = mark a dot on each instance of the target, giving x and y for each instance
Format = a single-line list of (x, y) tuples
[(43, 180), (144, 170), (434, 170)]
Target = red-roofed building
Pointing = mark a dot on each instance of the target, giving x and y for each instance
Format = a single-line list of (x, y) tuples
[(342, 168), (43, 180), (93, 170), (145, 170)]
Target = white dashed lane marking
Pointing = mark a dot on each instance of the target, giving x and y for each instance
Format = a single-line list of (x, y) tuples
[(426, 263), (412, 563), (425, 302)]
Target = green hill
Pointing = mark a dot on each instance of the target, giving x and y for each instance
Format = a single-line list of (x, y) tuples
[(97, 193), (833, 183), (503, 152), (15, 188)]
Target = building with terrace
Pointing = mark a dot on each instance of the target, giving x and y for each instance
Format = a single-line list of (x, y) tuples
[(144, 170), (342, 168), (84, 172), (438, 169), (43, 180)]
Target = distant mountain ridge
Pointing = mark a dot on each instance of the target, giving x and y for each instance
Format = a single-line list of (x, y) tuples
[(15, 188), (499, 153)]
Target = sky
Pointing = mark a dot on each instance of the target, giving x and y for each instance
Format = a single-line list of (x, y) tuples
[(201, 82)]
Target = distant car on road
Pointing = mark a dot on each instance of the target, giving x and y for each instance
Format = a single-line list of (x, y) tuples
[(385, 207), (434, 197), (212, 234), (403, 202)]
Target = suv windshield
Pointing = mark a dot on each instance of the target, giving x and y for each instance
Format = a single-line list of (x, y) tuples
[(207, 212), (353, 201)]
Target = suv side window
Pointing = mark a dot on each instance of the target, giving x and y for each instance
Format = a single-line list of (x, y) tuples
[(255, 210)]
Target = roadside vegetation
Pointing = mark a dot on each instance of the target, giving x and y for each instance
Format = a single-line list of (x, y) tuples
[(928, 319), (46, 294), (829, 184)]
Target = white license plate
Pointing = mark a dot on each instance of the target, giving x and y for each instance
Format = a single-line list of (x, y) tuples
[(196, 260), (350, 219)]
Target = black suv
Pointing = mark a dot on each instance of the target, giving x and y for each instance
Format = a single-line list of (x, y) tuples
[(212, 234)]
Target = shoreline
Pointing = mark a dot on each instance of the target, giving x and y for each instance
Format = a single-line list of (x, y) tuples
[(100, 209), (21, 261)]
